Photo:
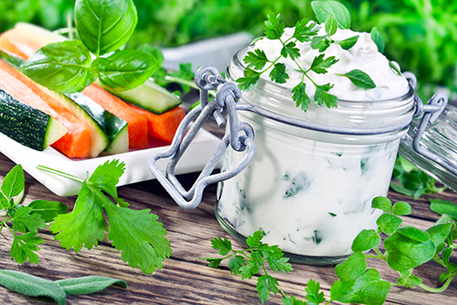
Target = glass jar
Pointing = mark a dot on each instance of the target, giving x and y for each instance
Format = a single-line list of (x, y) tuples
[(310, 191)]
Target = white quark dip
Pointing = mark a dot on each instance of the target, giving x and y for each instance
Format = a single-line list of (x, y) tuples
[(311, 191)]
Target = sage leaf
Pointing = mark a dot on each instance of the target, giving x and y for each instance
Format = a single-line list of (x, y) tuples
[(323, 9), (32, 285), (125, 70), (360, 79), (62, 66), (105, 25), (377, 39), (88, 284), (13, 183), (47, 209), (348, 43)]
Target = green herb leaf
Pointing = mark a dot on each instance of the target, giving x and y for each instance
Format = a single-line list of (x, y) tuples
[(292, 301), (370, 289), (88, 284), (360, 79), (278, 74), (265, 284), (389, 223), (24, 221), (382, 203), (62, 66), (320, 65), (331, 25), (32, 285), (323, 9), (351, 268), (222, 244), (136, 233), (290, 50), (213, 262), (444, 207), (348, 43), (257, 59), (236, 263), (274, 28), (320, 42), (13, 183), (24, 247), (105, 25), (401, 208), (305, 29), (377, 39), (394, 67), (125, 70), (249, 81), (439, 232), (321, 96), (300, 97), (47, 209), (366, 240), (314, 295), (404, 253), (254, 240), (414, 233), (340, 289)]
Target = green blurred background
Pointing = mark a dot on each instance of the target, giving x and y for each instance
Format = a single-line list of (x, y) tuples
[(421, 35)]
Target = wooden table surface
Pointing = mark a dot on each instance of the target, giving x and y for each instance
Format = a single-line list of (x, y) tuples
[(186, 279)]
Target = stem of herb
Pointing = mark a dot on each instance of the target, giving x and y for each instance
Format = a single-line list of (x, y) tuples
[(59, 173), (437, 290)]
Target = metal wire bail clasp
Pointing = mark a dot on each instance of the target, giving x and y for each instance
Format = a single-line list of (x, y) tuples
[(240, 136)]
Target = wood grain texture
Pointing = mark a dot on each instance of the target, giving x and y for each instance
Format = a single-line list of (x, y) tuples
[(186, 279)]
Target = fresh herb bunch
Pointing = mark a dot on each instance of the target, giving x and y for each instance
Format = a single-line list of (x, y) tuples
[(103, 27), (35, 286), (136, 233), (249, 262), (335, 16), (413, 181), (406, 248), (23, 221)]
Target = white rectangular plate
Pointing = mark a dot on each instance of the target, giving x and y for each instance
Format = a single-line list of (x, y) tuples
[(136, 162)]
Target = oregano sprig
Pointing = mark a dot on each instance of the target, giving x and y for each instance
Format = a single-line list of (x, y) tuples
[(335, 16)]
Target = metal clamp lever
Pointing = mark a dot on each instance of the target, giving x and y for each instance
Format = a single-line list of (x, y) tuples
[(431, 112), (239, 136)]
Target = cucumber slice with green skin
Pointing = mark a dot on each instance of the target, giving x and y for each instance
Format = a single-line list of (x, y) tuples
[(149, 96), (27, 125)]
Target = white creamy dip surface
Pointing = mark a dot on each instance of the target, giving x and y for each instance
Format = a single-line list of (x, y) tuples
[(363, 55)]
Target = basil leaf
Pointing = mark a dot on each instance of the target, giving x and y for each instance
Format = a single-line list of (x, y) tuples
[(348, 43), (62, 66), (377, 39), (88, 284), (13, 183), (31, 285), (323, 9), (360, 79), (125, 70), (105, 25)]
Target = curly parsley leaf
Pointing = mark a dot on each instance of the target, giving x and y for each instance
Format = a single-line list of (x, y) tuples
[(138, 234), (360, 79)]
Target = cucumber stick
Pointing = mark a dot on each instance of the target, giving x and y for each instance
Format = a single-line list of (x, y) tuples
[(149, 96), (27, 125), (108, 132)]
